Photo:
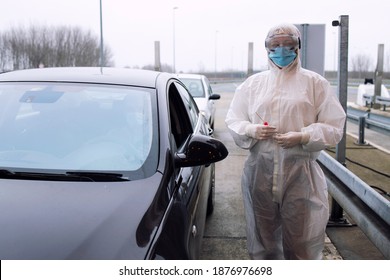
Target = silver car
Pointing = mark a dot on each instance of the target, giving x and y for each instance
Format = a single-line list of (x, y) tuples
[(200, 89)]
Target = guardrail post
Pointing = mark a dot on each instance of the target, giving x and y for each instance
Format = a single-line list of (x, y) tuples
[(362, 124)]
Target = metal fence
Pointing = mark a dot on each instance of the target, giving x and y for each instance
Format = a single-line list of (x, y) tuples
[(365, 206)]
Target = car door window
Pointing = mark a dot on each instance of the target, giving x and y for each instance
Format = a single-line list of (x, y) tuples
[(181, 125), (195, 86), (189, 103)]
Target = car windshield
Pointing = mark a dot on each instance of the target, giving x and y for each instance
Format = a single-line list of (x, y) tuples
[(195, 86), (62, 127)]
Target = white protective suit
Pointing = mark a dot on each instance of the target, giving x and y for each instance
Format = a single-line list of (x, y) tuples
[(284, 189)]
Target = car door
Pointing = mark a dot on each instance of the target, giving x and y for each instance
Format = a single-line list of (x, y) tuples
[(190, 180)]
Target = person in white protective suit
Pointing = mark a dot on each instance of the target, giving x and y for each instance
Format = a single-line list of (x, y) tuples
[(285, 116)]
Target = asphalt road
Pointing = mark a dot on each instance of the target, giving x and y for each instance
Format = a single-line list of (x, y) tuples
[(225, 237)]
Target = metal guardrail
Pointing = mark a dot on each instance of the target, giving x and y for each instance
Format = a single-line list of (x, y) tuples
[(373, 119), (381, 100), (370, 122), (365, 206), (385, 101)]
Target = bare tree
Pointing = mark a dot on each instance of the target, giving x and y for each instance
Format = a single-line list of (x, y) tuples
[(361, 64), (4, 54), (32, 47)]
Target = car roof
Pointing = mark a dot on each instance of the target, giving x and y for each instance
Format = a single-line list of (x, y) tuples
[(103, 75)]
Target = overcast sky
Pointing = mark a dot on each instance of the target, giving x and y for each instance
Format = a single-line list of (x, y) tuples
[(208, 33)]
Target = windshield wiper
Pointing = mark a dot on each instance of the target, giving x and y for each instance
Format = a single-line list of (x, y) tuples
[(99, 176), (5, 172), (68, 176), (23, 175)]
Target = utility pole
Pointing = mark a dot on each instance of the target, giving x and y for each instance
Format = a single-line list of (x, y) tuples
[(250, 59), (157, 62), (336, 216), (342, 78), (378, 75)]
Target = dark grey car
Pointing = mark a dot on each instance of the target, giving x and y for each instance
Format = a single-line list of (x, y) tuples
[(102, 163)]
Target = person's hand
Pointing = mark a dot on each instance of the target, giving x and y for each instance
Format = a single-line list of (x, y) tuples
[(260, 131), (291, 139)]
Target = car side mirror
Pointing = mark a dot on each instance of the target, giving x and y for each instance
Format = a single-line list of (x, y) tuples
[(214, 96), (200, 150)]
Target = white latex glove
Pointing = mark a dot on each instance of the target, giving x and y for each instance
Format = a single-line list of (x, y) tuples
[(291, 139), (260, 131)]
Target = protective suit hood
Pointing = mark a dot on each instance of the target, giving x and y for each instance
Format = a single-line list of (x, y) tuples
[(287, 29)]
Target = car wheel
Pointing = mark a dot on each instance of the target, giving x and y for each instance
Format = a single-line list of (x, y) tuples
[(211, 198)]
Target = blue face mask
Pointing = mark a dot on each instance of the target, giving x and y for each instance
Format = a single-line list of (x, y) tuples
[(282, 56)]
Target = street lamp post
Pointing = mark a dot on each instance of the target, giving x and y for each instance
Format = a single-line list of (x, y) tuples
[(101, 36), (174, 42), (215, 54)]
